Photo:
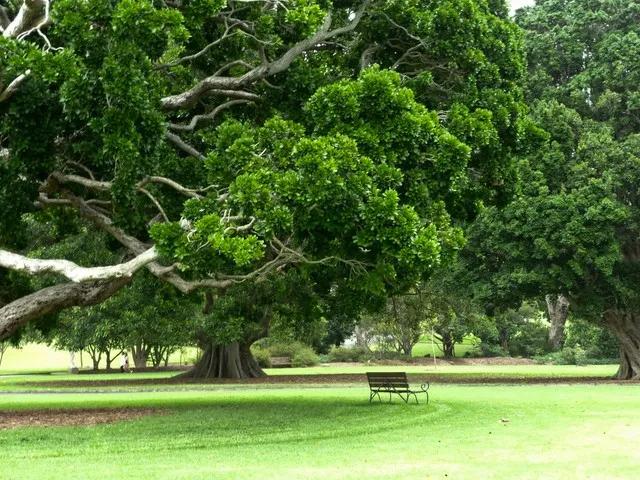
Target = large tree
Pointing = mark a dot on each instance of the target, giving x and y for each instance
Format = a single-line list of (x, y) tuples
[(112, 112), (583, 55), (579, 236)]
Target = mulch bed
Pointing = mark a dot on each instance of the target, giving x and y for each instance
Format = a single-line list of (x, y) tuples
[(346, 378), (70, 417)]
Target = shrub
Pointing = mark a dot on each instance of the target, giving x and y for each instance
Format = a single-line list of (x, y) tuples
[(285, 349), (262, 356), (304, 357), (492, 350), (530, 340), (348, 354), (597, 340), (567, 356)]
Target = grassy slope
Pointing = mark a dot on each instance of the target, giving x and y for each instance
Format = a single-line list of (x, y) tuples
[(553, 432)]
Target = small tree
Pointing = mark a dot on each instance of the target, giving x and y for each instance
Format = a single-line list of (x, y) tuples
[(399, 325)]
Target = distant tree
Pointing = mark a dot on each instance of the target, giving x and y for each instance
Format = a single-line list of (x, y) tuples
[(148, 319), (399, 325), (154, 320), (86, 330)]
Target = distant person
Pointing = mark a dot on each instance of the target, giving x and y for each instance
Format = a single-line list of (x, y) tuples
[(124, 363)]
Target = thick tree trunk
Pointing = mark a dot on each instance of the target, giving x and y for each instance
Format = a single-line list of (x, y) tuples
[(140, 354), (227, 361), (626, 327), (558, 310)]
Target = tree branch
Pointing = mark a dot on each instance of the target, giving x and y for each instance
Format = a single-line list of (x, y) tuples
[(208, 116), (184, 146), (13, 87), (73, 271), (28, 18), (55, 299), (190, 97)]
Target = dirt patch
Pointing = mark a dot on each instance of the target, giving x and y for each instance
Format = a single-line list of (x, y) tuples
[(345, 378), (467, 361), (70, 417)]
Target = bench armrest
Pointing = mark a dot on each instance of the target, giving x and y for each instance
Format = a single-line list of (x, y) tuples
[(425, 386)]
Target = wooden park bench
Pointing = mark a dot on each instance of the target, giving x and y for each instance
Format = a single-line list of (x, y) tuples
[(393, 382), (280, 362)]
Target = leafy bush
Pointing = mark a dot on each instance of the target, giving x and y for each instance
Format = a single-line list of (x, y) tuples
[(305, 357), (348, 354), (285, 349), (530, 340), (262, 356), (567, 356), (491, 350), (301, 355), (598, 341)]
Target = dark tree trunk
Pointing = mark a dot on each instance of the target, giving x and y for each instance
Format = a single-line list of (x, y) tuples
[(626, 327), (448, 345), (159, 355), (226, 361), (558, 310), (406, 346), (95, 359)]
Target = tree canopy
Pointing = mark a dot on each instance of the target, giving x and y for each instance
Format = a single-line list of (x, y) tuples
[(221, 142), (572, 228)]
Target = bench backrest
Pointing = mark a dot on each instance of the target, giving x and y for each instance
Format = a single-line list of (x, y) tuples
[(393, 380), (280, 361)]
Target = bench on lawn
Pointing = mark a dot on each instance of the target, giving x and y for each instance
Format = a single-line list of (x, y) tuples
[(280, 362), (393, 382)]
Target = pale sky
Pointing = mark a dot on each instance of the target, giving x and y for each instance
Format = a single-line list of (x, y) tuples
[(516, 4)]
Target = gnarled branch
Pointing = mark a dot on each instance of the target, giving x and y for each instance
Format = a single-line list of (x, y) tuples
[(29, 17), (55, 299), (190, 97), (73, 271), (13, 87)]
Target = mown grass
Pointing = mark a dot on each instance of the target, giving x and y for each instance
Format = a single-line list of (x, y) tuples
[(41, 357), (466, 432)]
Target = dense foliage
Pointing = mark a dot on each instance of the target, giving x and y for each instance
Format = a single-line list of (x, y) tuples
[(224, 143), (573, 226)]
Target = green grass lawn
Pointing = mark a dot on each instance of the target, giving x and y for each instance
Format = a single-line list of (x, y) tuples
[(426, 348), (40, 357), (563, 432)]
